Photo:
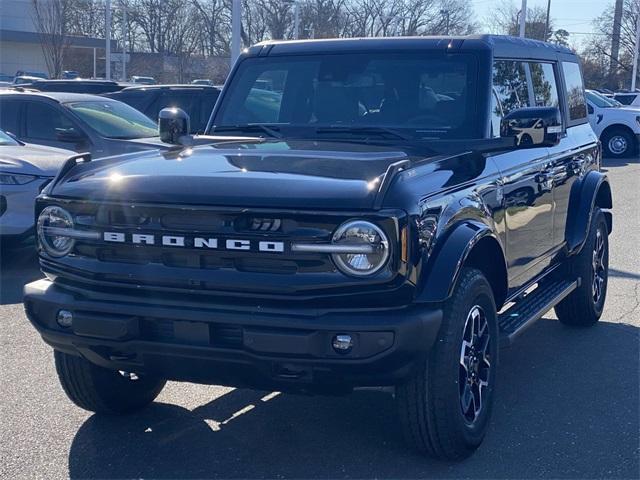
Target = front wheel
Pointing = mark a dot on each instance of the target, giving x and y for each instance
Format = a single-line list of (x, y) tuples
[(101, 390), (446, 405)]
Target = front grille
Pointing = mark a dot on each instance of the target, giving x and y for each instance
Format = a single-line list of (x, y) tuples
[(186, 267)]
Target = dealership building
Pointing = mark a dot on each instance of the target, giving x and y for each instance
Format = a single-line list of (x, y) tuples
[(20, 42)]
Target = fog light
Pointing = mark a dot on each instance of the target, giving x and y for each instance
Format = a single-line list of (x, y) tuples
[(342, 343), (64, 318)]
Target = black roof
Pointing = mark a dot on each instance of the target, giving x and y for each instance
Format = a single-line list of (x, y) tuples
[(60, 97), (500, 45)]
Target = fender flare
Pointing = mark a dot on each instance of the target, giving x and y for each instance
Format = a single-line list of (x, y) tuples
[(442, 268), (593, 190)]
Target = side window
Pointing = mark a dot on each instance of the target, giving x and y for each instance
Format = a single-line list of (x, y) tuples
[(510, 85), (208, 101), (545, 89), (9, 116), (496, 115), (136, 100), (43, 121), (624, 99), (575, 92)]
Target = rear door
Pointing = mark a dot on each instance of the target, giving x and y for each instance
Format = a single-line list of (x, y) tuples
[(577, 152)]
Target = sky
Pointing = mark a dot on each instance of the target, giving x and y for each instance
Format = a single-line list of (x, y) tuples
[(575, 16)]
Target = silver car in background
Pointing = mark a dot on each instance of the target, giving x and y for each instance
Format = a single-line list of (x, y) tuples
[(24, 171)]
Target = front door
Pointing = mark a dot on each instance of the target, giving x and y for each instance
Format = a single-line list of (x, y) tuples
[(45, 124), (527, 190)]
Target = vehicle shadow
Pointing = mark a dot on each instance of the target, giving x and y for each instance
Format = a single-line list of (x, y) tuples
[(567, 407), (18, 265), (610, 162)]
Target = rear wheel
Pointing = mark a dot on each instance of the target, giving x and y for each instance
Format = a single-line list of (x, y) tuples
[(583, 307), (445, 406), (101, 390)]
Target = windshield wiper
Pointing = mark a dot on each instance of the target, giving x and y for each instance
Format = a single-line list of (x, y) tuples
[(371, 129), (249, 127)]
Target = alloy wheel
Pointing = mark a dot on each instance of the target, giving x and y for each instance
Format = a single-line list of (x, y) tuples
[(475, 363), (598, 267)]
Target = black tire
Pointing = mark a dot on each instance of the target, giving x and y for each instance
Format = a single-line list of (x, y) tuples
[(581, 307), (614, 140), (430, 403), (100, 390)]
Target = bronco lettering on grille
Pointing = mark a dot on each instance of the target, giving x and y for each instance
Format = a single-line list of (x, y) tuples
[(192, 242)]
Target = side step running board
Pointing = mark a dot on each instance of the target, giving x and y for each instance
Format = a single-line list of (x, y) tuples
[(531, 308)]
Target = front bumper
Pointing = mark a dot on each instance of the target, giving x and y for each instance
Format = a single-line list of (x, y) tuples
[(273, 350)]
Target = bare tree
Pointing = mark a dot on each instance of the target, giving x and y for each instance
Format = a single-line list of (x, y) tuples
[(504, 19), (51, 20), (215, 18), (620, 65)]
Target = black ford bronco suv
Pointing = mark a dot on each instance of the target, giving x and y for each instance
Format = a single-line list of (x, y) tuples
[(368, 212)]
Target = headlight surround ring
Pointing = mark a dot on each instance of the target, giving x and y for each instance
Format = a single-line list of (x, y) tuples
[(359, 233), (58, 218)]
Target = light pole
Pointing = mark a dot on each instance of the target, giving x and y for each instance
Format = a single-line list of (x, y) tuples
[(124, 41), (446, 14), (523, 18), (546, 24), (296, 17), (635, 56), (236, 26), (107, 35)]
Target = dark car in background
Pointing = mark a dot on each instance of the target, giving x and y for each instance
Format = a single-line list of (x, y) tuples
[(83, 123), (197, 100), (94, 87), (143, 80)]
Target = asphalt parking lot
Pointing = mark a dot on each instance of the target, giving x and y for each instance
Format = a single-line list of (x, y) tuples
[(567, 405)]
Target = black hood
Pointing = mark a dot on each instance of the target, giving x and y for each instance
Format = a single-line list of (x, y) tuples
[(300, 174)]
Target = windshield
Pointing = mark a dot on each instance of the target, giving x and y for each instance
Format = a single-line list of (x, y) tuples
[(601, 101), (6, 139), (416, 95), (115, 119)]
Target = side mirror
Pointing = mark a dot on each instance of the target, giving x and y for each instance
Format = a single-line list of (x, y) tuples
[(173, 124), (533, 126), (69, 135)]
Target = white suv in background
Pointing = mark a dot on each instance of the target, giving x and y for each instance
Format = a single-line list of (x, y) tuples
[(617, 126)]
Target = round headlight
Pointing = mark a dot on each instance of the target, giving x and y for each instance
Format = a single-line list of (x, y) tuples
[(369, 248), (52, 223)]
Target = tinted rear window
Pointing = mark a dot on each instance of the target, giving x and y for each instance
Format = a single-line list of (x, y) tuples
[(625, 99), (575, 91)]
